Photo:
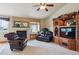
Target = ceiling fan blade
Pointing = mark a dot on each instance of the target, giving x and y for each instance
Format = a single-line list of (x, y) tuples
[(46, 9), (38, 9), (40, 3), (50, 5), (36, 5)]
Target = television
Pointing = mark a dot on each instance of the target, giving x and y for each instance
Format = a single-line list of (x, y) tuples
[(67, 32)]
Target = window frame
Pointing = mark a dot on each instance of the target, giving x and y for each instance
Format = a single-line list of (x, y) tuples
[(35, 23), (2, 19)]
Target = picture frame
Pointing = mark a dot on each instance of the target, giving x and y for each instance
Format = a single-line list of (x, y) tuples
[(20, 24), (25, 24), (17, 24)]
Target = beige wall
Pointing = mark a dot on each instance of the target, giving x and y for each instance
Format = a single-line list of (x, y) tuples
[(65, 9), (43, 23), (13, 29), (13, 18)]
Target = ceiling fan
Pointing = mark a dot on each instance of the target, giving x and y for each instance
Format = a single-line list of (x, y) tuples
[(43, 6)]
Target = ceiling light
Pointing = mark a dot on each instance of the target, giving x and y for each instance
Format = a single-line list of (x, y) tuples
[(42, 7)]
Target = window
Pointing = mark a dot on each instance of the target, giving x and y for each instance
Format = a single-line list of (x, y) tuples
[(4, 24), (34, 26)]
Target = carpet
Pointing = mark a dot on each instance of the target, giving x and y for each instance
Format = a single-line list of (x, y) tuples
[(35, 47)]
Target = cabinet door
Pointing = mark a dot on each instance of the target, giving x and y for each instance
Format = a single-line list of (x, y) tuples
[(72, 44), (32, 36), (56, 40), (77, 32), (77, 45)]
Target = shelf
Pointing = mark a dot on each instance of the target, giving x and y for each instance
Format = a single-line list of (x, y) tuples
[(70, 20), (68, 26), (19, 27)]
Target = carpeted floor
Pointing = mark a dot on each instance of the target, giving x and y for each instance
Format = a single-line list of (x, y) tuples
[(35, 47)]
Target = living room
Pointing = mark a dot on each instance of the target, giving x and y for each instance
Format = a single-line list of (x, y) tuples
[(28, 20)]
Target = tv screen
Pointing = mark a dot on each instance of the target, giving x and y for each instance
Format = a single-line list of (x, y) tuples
[(67, 32)]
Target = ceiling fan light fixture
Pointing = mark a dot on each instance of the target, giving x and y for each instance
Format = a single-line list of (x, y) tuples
[(42, 7)]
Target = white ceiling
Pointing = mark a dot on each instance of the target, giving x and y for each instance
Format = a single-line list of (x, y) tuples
[(27, 10)]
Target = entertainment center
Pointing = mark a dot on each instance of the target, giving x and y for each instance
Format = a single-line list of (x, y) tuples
[(66, 30)]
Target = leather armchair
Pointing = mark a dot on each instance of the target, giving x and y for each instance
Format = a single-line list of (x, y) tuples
[(15, 41)]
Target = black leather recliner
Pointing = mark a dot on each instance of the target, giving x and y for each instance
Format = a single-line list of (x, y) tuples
[(15, 42), (45, 35)]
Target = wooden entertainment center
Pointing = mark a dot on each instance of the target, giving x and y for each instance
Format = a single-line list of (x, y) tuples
[(66, 30)]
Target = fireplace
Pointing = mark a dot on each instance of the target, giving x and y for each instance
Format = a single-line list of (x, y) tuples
[(22, 33)]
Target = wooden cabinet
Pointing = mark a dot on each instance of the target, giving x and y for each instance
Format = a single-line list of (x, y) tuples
[(72, 44), (32, 36), (56, 40), (69, 43), (77, 45), (67, 20), (77, 32)]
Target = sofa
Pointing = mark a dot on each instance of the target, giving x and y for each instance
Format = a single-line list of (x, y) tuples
[(45, 35)]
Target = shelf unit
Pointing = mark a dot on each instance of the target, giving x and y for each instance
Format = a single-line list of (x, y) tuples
[(67, 20)]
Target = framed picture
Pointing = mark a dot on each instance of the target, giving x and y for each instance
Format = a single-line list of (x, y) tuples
[(24, 24), (20, 24), (17, 24)]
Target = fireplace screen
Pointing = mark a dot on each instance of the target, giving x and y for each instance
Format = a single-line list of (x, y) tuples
[(22, 34)]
